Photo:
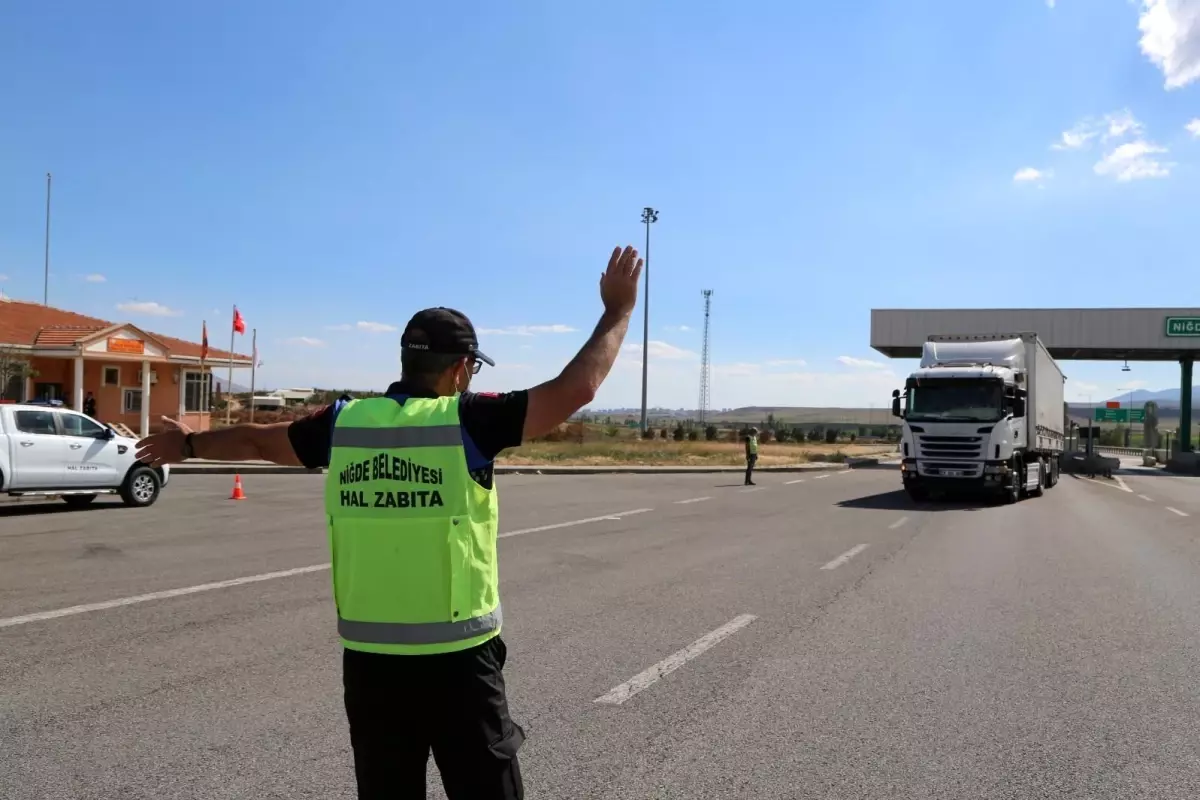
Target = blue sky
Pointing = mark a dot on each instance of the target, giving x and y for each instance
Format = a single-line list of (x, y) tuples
[(332, 169)]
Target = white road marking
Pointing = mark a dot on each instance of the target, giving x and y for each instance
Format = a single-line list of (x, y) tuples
[(649, 677), (1177, 511), (574, 522), (898, 523), (798, 480), (41, 616), (144, 598), (1121, 483), (751, 489), (691, 500), (1147, 499), (846, 556), (826, 475), (1104, 483)]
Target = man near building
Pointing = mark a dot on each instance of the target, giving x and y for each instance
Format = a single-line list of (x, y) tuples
[(751, 454), (412, 513)]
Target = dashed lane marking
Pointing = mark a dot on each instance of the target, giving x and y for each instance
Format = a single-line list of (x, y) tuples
[(789, 483), (573, 523), (691, 500), (819, 477), (846, 556), (1147, 499), (898, 523), (752, 489), (647, 678), (1177, 511)]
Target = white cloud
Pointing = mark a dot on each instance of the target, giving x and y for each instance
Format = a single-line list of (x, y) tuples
[(95, 277), (1193, 127), (375, 327), (1029, 174), (148, 309), (676, 328), (526, 330), (338, 327), (306, 341), (862, 363), (1134, 161), (1171, 39), (661, 350), (1114, 125), (1077, 137), (3, 277)]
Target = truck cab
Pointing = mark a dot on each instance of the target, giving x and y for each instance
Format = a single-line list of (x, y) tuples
[(966, 421), (52, 451)]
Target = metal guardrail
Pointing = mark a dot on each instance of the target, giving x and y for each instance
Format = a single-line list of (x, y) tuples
[(1121, 451)]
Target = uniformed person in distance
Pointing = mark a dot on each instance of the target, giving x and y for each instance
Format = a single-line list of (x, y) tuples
[(751, 454), (412, 514)]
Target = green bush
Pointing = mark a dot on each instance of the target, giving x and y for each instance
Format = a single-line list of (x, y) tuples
[(711, 433), (693, 435)]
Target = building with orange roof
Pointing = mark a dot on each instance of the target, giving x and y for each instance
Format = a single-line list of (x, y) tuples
[(135, 376)]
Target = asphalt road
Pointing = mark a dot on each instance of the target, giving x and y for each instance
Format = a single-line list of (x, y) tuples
[(871, 649)]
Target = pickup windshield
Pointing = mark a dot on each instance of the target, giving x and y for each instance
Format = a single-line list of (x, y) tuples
[(949, 400)]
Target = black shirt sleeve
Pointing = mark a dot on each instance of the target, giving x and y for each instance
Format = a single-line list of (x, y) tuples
[(312, 436), (495, 422)]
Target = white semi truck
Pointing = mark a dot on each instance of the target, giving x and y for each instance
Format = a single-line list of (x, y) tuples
[(983, 412)]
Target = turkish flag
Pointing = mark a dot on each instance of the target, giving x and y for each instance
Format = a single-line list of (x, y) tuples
[(203, 342), (239, 322)]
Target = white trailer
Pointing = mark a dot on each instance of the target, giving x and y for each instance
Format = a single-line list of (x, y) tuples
[(984, 411)]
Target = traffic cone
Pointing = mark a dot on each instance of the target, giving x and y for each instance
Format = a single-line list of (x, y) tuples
[(238, 494)]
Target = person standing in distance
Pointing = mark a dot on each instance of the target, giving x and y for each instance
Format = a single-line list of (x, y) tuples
[(751, 454), (412, 512)]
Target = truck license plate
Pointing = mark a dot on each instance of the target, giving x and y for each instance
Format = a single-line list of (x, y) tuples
[(952, 473)]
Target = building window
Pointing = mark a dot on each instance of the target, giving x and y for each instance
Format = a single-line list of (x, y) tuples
[(132, 403), (197, 392), (112, 376)]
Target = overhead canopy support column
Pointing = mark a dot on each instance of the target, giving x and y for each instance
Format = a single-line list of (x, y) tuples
[(1185, 404)]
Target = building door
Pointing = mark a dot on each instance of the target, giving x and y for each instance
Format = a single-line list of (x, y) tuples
[(47, 391)]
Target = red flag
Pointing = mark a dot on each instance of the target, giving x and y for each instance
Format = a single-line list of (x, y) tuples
[(203, 342), (239, 322)]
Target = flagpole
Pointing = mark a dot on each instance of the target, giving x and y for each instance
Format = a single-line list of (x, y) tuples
[(229, 385), (253, 367)]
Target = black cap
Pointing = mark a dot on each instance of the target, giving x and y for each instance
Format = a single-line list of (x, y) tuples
[(443, 331)]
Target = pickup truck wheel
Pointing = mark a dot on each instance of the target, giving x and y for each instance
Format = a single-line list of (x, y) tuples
[(141, 487), (78, 500)]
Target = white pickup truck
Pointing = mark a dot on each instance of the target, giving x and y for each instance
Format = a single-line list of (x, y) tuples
[(52, 451)]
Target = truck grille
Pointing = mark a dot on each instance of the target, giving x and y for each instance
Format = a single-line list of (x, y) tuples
[(950, 448)]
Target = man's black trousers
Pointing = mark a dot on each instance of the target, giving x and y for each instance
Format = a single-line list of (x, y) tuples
[(751, 460), (402, 707)]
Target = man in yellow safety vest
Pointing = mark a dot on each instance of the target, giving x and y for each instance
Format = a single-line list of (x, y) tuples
[(412, 511)]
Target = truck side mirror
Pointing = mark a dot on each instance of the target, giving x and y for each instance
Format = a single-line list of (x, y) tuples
[(1018, 406), (896, 403)]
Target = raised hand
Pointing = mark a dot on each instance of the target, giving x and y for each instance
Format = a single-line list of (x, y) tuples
[(619, 283)]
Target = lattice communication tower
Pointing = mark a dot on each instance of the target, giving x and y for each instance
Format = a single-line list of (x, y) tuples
[(705, 371)]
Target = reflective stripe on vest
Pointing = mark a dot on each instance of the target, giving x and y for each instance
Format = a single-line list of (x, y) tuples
[(418, 632), (412, 535), (753, 445)]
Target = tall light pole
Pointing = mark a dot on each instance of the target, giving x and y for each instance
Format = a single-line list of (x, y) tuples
[(46, 284), (649, 216)]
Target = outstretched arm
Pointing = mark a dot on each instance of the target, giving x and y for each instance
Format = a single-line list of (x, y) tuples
[(238, 443)]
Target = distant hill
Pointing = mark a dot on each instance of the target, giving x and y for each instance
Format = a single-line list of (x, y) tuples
[(1164, 397)]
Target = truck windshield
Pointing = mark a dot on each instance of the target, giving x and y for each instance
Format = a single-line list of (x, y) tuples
[(948, 400)]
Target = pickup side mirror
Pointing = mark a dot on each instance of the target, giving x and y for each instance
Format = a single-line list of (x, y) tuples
[(896, 403), (107, 433)]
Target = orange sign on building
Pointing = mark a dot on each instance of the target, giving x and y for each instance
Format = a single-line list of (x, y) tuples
[(133, 347)]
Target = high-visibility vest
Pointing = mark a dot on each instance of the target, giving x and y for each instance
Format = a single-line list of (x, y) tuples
[(412, 535), (753, 442)]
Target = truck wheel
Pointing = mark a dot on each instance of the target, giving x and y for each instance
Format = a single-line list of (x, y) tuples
[(1041, 479), (78, 500), (141, 487), (1013, 494), (1053, 474)]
